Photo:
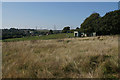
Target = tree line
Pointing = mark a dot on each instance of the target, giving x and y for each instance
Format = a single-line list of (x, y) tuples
[(18, 33)]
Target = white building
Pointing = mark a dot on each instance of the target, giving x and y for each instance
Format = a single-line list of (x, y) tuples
[(76, 33), (94, 34)]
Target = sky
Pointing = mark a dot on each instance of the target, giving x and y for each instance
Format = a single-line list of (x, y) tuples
[(51, 15), (59, 0)]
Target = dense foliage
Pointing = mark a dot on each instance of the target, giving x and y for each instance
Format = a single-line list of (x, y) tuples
[(12, 33), (106, 25), (66, 29), (51, 32), (18, 33)]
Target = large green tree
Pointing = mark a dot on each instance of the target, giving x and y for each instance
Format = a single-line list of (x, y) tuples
[(66, 29), (89, 25), (109, 24)]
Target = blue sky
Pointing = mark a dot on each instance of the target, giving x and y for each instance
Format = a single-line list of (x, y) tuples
[(44, 15)]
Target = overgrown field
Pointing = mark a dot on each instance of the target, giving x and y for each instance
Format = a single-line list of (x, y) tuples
[(90, 57)]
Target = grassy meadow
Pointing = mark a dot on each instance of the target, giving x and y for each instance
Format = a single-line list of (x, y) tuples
[(88, 57), (44, 37)]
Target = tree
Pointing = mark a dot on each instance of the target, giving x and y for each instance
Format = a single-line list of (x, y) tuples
[(66, 29), (88, 26), (51, 32), (106, 25), (109, 24)]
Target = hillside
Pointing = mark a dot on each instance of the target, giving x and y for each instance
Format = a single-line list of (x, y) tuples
[(89, 57)]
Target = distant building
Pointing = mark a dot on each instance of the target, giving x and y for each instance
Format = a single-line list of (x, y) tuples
[(94, 34), (83, 35), (91, 34), (40, 35), (31, 32), (77, 34), (47, 33), (26, 31)]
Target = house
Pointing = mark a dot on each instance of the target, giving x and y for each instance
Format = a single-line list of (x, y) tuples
[(47, 33), (77, 34), (94, 34), (83, 35), (31, 33), (91, 34)]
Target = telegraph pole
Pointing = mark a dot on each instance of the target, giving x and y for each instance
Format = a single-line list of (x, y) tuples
[(54, 27), (36, 27)]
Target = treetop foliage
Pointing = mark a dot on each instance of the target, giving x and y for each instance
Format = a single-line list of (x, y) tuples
[(66, 29), (106, 25)]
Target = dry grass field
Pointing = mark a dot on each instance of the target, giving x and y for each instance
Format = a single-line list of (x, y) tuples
[(89, 57)]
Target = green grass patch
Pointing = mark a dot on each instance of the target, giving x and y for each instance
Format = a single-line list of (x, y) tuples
[(44, 37)]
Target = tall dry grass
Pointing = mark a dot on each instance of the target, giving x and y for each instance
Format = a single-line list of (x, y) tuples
[(90, 57)]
